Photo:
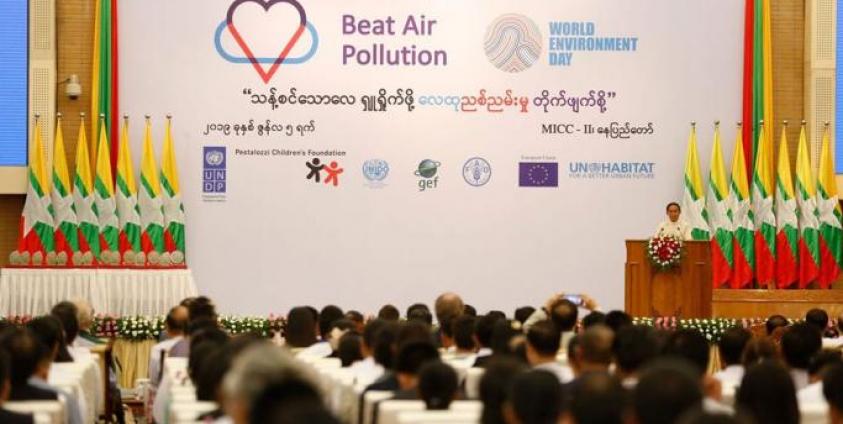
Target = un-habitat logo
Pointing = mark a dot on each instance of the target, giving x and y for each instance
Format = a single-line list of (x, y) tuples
[(611, 170)]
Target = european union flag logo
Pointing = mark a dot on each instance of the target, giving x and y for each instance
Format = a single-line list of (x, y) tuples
[(538, 174)]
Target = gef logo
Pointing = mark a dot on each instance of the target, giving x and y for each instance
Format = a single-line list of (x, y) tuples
[(213, 169)]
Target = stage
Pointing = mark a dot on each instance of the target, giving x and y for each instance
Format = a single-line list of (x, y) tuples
[(686, 291), (763, 303)]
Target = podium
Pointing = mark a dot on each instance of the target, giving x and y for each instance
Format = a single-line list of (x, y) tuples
[(683, 292)]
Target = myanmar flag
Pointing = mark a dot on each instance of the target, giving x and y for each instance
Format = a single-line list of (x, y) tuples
[(104, 73), (67, 229), (806, 199), (173, 208), (83, 201), (744, 230), (149, 200), (718, 216), (757, 77), (36, 232), (831, 232), (693, 199), (787, 225), (128, 212), (763, 216), (104, 204)]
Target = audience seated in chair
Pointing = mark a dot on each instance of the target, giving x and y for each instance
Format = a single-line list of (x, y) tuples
[(768, 395), (483, 329), (731, 346), (800, 343), (667, 389), (534, 397), (9, 417), (175, 326), (633, 347), (832, 384), (593, 351), (85, 318), (597, 397), (437, 385), (201, 313), (543, 339)]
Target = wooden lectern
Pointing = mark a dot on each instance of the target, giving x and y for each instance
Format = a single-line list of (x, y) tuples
[(683, 292)]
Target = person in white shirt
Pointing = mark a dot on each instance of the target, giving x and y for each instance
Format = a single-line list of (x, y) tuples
[(833, 392), (812, 394), (674, 226), (731, 346), (366, 371), (819, 319), (800, 343), (85, 318), (174, 328), (543, 340), (464, 341)]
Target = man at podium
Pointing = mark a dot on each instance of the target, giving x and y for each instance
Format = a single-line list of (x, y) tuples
[(674, 227)]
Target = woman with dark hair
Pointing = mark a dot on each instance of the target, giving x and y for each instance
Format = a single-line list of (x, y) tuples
[(438, 385), (66, 312), (674, 226), (767, 393), (301, 328), (49, 331), (495, 387)]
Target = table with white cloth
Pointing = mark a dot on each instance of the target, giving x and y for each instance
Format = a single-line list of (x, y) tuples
[(121, 292)]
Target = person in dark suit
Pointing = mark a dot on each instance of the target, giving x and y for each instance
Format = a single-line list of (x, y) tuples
[(483, 329), (28, 357), (7, 416)]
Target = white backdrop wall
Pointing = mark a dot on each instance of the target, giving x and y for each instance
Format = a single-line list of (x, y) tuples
[(276, 239)]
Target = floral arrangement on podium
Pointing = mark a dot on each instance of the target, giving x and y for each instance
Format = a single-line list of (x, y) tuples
[(96, 219), (664, 252)]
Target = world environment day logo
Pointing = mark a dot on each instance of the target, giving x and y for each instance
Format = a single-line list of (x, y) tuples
[(267, 66), (513, 43)]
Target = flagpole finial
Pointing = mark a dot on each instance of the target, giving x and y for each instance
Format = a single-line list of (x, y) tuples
[(126, 117), (693, 124), (58, 115), (102, 117), (804, 122), (169, 116), (761, 122), (740, 124), (826, 123), (147, 117), (717, 123), (37, 117), (785, 123), (82, 115)]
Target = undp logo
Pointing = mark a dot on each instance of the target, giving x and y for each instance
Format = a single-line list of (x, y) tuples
[(513, 43), (261, 29), (213, 169)]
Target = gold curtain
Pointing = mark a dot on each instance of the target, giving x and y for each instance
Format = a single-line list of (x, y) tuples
[(134, 360)]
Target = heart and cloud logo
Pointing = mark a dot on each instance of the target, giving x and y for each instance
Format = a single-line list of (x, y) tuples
[(268, 33)]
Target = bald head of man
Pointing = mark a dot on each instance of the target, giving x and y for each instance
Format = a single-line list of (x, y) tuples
[(448, 306), (594, 350)]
